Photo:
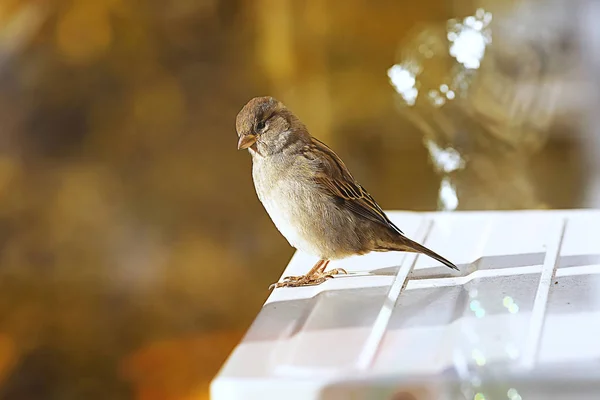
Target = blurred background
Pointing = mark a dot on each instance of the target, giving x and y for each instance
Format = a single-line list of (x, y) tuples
[(134, 252)]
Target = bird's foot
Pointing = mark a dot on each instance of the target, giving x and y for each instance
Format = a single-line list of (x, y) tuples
[(308, 280)]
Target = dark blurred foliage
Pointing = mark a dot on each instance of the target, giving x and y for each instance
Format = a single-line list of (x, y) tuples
[(134, 252)]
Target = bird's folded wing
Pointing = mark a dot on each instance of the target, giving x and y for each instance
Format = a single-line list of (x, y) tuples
[(335, 178)]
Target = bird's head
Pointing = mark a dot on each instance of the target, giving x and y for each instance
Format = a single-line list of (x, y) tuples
[(266, 126)]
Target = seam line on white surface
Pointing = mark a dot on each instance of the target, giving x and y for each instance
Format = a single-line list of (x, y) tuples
[(373, 342), (538, 313), (461, 280), (579, 270)]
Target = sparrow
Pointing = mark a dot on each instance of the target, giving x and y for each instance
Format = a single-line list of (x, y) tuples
[(311, 196)]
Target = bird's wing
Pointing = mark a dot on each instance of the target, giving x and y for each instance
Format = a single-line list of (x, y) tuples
[(334, 177)]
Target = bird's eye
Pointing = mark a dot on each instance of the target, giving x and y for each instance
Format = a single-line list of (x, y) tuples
[(260, 126)]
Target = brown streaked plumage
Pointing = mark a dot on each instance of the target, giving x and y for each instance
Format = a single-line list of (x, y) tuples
[(312, 198)]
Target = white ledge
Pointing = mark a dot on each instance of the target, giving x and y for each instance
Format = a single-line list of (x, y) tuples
[(524, 309)]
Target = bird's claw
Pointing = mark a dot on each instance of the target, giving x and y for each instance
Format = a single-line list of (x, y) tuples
[(336, 271), (304, 280)]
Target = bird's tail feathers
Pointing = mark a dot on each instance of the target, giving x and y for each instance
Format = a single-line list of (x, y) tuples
[(408, 245)]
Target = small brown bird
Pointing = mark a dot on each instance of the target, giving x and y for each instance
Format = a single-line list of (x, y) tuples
[(311, 196)]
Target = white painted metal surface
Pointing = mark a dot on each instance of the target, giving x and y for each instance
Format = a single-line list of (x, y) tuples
[(521, 320)]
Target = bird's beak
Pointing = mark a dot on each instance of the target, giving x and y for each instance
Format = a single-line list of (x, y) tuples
[(246, 141)]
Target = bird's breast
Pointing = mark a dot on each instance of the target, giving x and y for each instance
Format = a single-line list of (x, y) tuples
[(289, 201)]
